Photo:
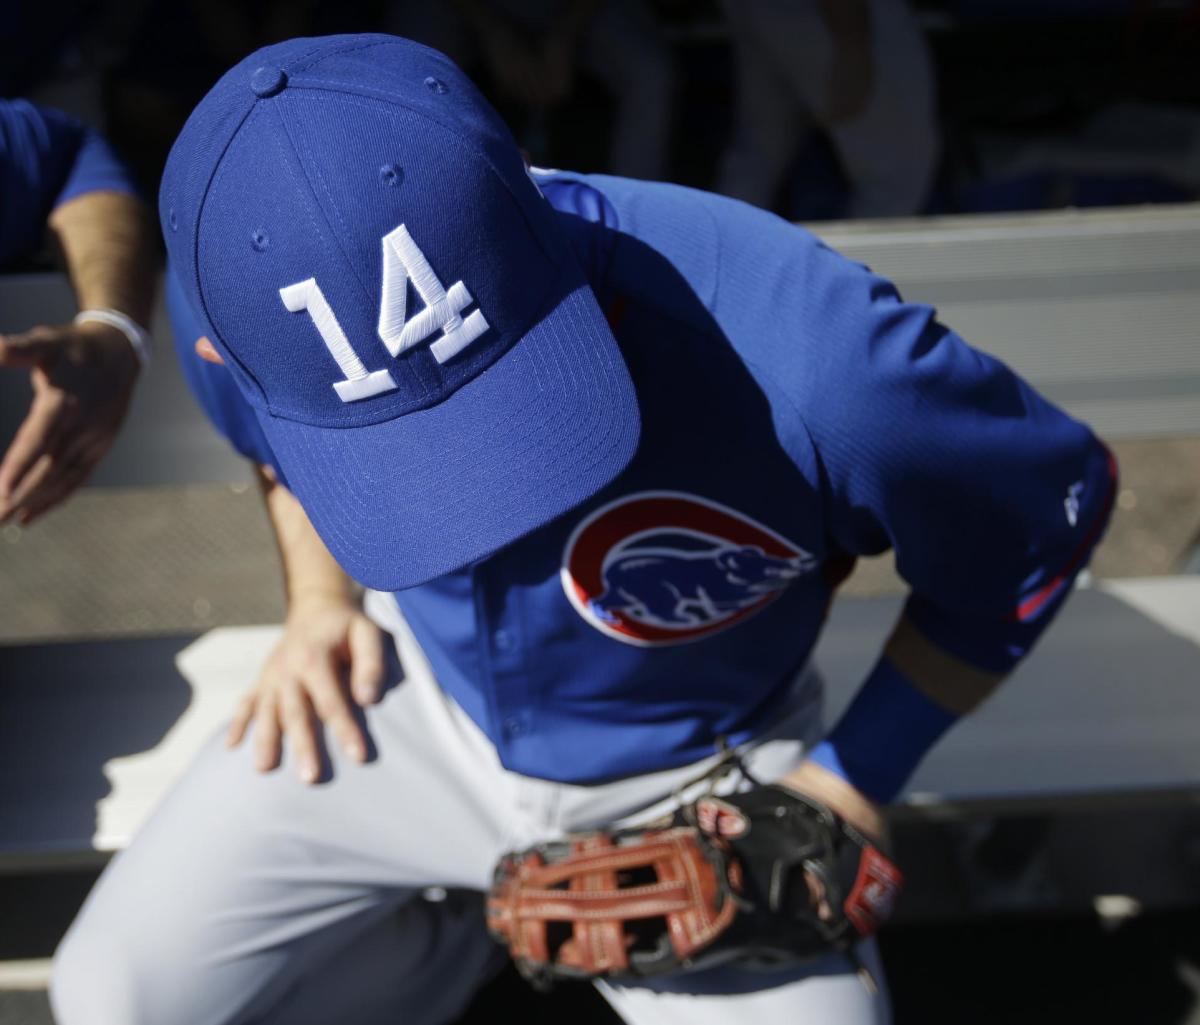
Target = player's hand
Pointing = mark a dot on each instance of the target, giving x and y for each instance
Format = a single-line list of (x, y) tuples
[(844, 798), (847, 801), (83, 377), (329, 659)]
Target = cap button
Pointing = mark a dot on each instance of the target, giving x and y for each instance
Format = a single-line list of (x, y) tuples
[(267, 81)]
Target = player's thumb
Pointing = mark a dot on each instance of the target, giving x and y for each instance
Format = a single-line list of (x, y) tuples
[(27, 350)]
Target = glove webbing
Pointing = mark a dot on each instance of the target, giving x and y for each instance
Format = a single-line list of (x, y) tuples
[(591, 894)]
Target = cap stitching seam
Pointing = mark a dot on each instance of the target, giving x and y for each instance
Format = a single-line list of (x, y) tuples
[(330, 208), (366, 93), (220, 167), (303, 155), (372, 103), (290, 170)]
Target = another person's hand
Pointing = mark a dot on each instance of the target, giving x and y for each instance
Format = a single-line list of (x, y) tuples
[(83, 377), (329, 659)]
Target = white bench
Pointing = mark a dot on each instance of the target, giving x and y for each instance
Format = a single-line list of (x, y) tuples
[(1102, 720), (1097, 309)]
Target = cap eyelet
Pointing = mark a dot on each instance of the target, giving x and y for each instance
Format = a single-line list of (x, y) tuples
[(172, 220), (391, 175), (436, 85), (259, 240)]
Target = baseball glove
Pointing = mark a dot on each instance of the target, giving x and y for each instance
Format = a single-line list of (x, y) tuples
[(763, 879)]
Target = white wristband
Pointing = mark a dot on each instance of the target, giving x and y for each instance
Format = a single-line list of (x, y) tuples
[(138, 337)]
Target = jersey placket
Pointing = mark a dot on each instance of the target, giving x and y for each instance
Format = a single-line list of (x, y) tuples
[(502, 660)]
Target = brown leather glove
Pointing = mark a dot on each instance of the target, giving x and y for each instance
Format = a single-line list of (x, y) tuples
[(763, 879)]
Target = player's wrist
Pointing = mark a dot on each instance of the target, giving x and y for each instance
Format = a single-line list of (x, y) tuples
[(882, 737), (316, 598), (814, 780)]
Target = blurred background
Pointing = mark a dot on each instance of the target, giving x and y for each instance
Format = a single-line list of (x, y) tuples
[(991, 104), (1031, 168)]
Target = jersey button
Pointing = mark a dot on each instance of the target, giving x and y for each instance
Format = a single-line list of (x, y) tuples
[(514, 726), (502, 640)]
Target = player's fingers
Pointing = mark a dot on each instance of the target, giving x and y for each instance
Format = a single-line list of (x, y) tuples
[(818, 896), (295, 714), (366, 660), (266, 733), (332, 706), (242, 714)]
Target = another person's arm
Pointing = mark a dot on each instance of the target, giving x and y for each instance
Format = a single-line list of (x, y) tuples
[(61, 176)]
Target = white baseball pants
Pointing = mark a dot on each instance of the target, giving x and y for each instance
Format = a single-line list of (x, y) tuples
[(253, 898)]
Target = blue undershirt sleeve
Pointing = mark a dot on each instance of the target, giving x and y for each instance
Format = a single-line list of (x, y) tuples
[(884, 734)]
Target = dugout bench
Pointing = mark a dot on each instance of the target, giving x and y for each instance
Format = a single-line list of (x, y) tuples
[(1005, 814)]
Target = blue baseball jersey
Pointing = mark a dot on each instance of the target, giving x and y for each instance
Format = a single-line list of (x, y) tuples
[(796, 413), (46, 159)]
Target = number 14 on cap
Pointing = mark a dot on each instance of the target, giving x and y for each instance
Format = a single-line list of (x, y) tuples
[(402, 261)]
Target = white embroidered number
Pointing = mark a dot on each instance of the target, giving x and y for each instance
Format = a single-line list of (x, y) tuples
[(402, 260), (359, 383)]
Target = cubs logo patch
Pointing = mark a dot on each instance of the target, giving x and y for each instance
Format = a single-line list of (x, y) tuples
[(666, 567)]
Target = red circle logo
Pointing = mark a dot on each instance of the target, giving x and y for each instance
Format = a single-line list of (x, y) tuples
[(665, 567)]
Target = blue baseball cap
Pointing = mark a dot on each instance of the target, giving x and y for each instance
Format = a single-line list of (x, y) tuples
[(397, 303)]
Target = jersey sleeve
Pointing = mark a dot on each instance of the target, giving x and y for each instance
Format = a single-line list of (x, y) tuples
[(991, 497), (213, 386), (46, 159)]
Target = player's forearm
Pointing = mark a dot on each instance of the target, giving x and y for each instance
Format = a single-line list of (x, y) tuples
[(834, 790), (953, 645), (915, 693), (310, 573), (108, 246)]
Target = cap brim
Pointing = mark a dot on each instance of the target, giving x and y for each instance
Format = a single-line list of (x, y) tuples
[(544, 428)]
